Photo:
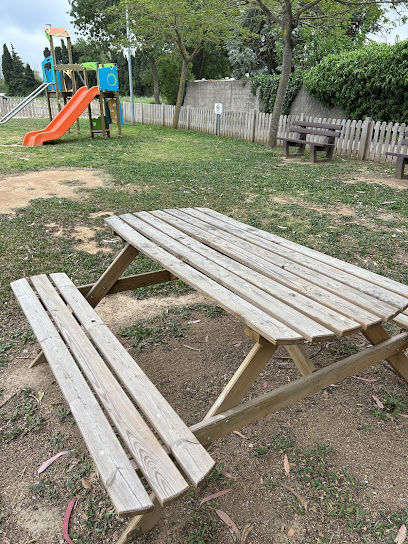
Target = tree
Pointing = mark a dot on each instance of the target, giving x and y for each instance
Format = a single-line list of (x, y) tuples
[(292, 15), (183, 26), (7, 66)]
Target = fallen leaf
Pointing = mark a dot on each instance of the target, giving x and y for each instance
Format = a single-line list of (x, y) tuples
[(299, 497), (265, 385), (228, 521), (401, 535), (46, 464), (190, 347), (286, 464), (245, 532), (215, 495), (67, 515), (290, 533), (206, 338), (86, 484), (369, 380), (194, 321), (239, 434), (226, 474), (378, 402)]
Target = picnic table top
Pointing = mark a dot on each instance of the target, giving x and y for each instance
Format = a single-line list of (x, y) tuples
[(286, 292)]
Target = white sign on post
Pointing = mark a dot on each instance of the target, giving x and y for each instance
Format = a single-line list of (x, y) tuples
[(218, 108)]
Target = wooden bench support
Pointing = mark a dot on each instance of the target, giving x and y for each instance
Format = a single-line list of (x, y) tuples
[(243, 378), (219, 425), (301, 359), (399, 362), (142, 523)]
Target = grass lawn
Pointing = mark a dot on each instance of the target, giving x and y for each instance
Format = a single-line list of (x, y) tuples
[(346, 208)]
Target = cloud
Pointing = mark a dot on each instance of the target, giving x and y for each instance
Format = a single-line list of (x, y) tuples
[(22, 24)]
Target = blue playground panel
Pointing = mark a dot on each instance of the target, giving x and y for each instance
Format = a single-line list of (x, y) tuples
[(48, 74), (108, 78)]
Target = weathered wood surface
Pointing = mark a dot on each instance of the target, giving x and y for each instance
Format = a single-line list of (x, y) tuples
[(194, 460), (154, 463), (114, 468)]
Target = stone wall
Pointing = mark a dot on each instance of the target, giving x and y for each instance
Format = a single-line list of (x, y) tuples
[(234, 95), (237, 96), (310, 106)]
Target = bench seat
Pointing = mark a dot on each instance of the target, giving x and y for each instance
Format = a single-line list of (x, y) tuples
[(90, 366)]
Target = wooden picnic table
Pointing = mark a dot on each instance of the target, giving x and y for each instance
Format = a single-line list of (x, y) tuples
[(284, 293)]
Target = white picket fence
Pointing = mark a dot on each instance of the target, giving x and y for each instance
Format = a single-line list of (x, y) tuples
[(364, 140), (38, 108)]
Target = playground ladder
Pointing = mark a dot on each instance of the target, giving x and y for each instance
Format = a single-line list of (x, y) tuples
[(24, 103)]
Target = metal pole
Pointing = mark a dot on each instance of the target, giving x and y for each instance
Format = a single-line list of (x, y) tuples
[(132, 109)]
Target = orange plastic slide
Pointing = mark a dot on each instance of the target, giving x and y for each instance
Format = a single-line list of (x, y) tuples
[(65, 119)]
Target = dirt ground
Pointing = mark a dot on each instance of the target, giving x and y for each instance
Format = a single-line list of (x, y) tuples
[(191, 371)]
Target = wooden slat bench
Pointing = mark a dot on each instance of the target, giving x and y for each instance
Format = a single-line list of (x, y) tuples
[(329, 132), (402, 160), (90, 366)]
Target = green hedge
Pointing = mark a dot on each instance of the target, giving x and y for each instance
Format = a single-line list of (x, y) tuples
[(368, 82), (268, 85)]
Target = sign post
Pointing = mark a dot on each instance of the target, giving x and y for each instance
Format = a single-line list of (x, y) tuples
[(218, 112)]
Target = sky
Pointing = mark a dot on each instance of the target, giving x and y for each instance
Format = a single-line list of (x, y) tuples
[(22, 24)]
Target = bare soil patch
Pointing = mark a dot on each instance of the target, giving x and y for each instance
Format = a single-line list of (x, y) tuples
[(383, 180), (17, 191)]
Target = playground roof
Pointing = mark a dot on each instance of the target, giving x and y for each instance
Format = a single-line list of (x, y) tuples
[(57, 31)]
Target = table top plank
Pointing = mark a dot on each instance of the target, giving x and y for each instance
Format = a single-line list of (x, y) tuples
[(152, 228), (191, 456), (287, 271), (331, 319), (160, 472), (362, 273), (114, 468), (399, 302), (264, 324)]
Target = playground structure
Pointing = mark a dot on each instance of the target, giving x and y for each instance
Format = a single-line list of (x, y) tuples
[(60, 82)]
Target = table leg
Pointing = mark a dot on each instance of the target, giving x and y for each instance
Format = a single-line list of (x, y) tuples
[(243, 378), (141, 524), (102, 286), (399, 361), (301, 359)]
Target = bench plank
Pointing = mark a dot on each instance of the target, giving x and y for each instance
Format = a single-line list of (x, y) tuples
[(192, 457), (316, 132), (317, 125), (305, 326), (265, 325), (115, 470), (160, 472), (265, 286)]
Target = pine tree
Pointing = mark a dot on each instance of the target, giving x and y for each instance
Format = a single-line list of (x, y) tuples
[(30, 81), (7, 67)]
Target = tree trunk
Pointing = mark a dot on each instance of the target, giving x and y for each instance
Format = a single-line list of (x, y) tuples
[(283, 84), (155, 75), (180, 95)]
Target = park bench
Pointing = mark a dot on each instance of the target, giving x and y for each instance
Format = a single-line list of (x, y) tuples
[(402, 159), (83, 354), (327, 131)]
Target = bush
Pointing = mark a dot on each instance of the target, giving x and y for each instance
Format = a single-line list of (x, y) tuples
[(268, 85), (368, 82)]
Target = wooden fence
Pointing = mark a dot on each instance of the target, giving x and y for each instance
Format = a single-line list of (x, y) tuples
[(364, 140), (39, 108)]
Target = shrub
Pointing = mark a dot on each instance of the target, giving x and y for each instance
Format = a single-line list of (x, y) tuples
[(368, 82), (268, 85)]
